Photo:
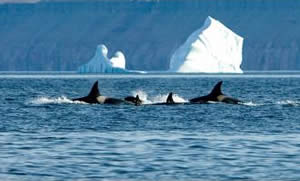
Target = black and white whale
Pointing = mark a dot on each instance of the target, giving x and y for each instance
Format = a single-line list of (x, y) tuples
[(94, 97), (215, 95), (135, 100)]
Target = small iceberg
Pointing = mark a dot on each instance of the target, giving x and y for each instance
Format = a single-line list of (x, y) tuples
[(213, 48), (100, 63)]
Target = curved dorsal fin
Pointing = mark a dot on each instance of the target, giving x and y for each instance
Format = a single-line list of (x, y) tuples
[(137, 98), (170, 98), (94, 91), (217, 89)]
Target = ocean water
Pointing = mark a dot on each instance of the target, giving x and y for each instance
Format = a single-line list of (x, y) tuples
[(46, 136)]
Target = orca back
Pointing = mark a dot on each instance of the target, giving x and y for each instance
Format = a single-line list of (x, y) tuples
[(216, 95), (135, 100), (92, 96), (212, 96)]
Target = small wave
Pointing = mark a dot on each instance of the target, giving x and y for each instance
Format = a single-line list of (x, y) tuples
[(289, 103), (251, 104), (58, 100), (163, 97), (158, 98)]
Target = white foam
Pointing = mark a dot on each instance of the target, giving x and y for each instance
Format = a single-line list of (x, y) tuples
[(252, 104), (163, 98), (58, 100), (289, 102), (160, 98), (142, 95)]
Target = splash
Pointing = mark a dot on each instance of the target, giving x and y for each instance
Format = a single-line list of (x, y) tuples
[(289, 103), (58, 100), (282, 103), (160, 98), (142, 95), (163, 98), (250, 103)]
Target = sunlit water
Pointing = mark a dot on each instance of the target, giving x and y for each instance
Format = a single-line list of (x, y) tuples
[(46, 136)]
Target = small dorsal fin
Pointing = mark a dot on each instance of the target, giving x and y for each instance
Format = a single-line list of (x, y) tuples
[(170, 98), (138, 101), (94, 91), (137, 98), (217, 89)]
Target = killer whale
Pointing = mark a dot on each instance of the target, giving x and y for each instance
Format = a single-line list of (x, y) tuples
[(215, 95), (134, 100), (137, 101), (94, 97)]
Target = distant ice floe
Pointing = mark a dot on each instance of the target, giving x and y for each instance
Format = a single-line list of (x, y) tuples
[(100, 63), (213, 48)]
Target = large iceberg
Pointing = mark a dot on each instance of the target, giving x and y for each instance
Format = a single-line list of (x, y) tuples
[(213, 48), (100, 63)]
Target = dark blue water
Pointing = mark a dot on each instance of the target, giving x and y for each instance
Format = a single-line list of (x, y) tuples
[(46, 136)]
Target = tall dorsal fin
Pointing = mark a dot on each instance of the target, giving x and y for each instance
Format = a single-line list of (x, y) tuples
[(217, 89), (170, 98), (94, 91)]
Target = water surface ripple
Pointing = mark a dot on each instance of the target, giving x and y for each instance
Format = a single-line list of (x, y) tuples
[(46, 136)]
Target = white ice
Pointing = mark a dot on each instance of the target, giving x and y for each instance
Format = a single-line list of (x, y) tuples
[(213, 48), (100, 63)]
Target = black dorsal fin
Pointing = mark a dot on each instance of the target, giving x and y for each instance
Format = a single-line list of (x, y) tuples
[(217, 89), (94, 91), (137, 98), (170, 98)]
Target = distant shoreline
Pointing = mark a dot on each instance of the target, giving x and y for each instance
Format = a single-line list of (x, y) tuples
[(75, 75), (153, 72)]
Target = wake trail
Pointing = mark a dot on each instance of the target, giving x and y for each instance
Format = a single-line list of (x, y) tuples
[(57, 100)]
